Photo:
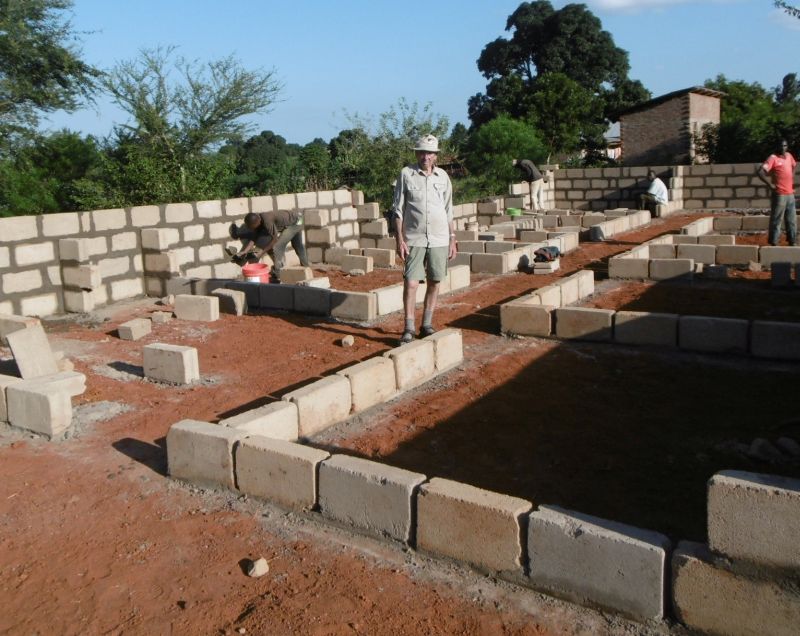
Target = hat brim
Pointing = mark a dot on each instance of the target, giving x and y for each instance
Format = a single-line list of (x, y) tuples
[(425, 150)]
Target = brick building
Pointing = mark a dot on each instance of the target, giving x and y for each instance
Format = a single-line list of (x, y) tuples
[(660, 131)]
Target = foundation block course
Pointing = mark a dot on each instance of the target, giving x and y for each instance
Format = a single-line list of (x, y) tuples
[(352, 262), (666, 268), (583, 323), (201, 308), (720, 335), (583, 558), (389, 299), (279, 471), (202, 453), (277, 421), (778, 340), (769, 254), (736, 254), (646, 328), (755, 518), (708, 597), (619, 267), (371, 382), (360, 306), (526, 317), (448, 349), (312, 300), (470, 524), (459, 276), (321, 404), (134, 329), (414, 363), (276, 297), (171, 363), (374, 498), (231, 301), (706, 254)]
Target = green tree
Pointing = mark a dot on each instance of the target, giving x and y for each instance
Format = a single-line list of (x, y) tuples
[(569, 41), (753, 118), (265, 164), (40, 70), (493, 147), (181, 111), (791, 10)]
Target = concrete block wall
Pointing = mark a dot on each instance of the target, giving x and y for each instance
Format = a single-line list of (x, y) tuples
[(606, 188)]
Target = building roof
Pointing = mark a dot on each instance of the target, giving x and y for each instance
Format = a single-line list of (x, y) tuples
[(700, 90)]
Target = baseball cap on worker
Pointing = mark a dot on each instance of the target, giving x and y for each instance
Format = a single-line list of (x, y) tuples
[(428, 143)]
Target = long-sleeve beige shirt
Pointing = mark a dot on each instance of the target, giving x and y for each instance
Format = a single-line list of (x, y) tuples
[(425, 206)]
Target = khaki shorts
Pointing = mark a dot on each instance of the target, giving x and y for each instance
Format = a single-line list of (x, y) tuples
[(426, 263)]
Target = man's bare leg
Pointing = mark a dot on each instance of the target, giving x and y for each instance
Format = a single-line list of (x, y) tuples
[(409, 307), (431, 297)]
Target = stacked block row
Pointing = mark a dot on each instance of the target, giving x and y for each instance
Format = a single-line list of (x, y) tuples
[(319, 301), (533, 314), (606, 188)]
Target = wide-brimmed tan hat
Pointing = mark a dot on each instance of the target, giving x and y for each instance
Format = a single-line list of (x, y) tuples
[(428, 143)]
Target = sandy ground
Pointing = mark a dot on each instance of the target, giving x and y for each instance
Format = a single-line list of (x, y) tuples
[(95, 539)]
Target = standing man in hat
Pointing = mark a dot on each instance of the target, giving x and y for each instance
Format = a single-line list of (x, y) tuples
[(423, 216), (781, 167)]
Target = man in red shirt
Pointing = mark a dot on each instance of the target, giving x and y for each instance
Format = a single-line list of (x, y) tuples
[(780, 167)]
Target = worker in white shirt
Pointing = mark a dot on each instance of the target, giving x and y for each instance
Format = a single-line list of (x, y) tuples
[(656, 194)]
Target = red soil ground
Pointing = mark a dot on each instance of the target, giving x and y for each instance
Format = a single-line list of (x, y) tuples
[(95, 539)]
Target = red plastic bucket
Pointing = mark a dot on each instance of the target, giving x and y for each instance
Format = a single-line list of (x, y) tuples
[(256, 272)]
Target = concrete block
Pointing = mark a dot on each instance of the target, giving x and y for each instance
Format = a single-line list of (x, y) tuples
[(388, 299), (569, 290), (472, 247), (769, 254), (5, 382), (231, 301), (778, 340), (526, 317), (706, 254), (448, 349), (372, 497), (160, 317), (359, 306), (381, 257), (371, 382), (737, 254), (41, 407), (351, 262), (728, 223), (251, 290), (321, 404), (664, 268), (490, 263), (202, 308), (755, 518), (321, 236), (368, 212), (312, 300), (134, 329), (684, 239), (662, 250), (619, 267), (781, 274), (296, 274), (718, 335), (717, 239), (334, 255), (377, 228), (72, 249), (32, 352), (466, 235), (316, 218), (584, 558), (498, 247), (470, 524), (646, 328), (583, 323), (279, 471), (708, 597), (549, 295), (171, 363), (414, 363), (202, 453), (277, 420), (280, 297), (585, 279), (159, 238), (9, 323), (758, 223), (459, 275)]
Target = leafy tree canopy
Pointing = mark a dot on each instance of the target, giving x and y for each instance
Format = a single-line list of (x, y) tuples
[(40, 69)]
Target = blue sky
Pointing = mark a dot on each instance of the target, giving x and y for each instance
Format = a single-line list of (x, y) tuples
[(361, 56)]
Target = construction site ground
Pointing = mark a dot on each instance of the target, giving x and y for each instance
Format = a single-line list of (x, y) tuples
[(96, 539)]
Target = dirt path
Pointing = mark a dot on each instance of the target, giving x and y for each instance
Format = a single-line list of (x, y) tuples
[(94, 539)]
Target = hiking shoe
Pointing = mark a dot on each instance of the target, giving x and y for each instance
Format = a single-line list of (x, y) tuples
[(426, 331), (233, 231), (408, 336)]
